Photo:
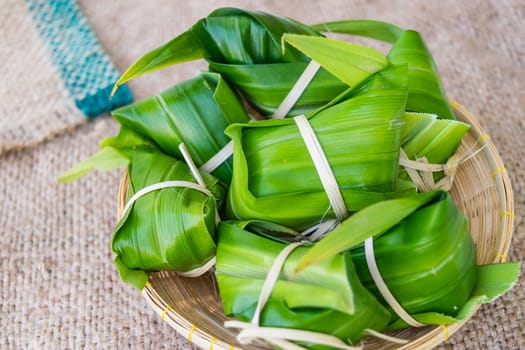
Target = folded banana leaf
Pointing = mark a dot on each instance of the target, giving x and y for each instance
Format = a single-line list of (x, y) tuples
[(327, 297), (435, 140), (275, 179), (246, 48), (424, 135), (265, 86), (227, 35), (425, 256), (374, 29), (194, 112), (425, 89), (428, 261), (168, 229)]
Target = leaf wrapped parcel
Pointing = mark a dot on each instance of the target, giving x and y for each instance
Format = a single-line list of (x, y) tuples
[(424, 253), (327, 297), (275, 179), (245, 47), (194, 112), (167, 229)]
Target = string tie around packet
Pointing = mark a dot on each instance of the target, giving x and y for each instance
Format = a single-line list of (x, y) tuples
[(281, 337), (383, 288), (198, 186), (284, 108), (284, 337), (421, 172)]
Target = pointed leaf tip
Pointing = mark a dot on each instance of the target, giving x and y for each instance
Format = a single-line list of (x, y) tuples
[(349, 62), (114, 90)]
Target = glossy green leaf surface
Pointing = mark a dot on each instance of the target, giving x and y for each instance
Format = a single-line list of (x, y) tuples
[(425, 89), (493, 280), (246, 47), (352, 63), (227, 35), (194, 112), (370, 221), (428, 260), (426, 136), (275, 179), (326, 297), (167, 229), (265, 86)]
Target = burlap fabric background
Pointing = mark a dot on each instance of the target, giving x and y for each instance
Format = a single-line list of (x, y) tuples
[(30, 85), (58, 286)]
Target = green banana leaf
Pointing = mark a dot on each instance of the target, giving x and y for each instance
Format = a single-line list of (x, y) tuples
[(493, 281), (352, 63), (426, 136), (194, 112), (227, 35), (341, 306), (428, 260), (168, 229), (246, 48), (425, 89), (425, 256), (274, 177), (265, 86), (370, 221)]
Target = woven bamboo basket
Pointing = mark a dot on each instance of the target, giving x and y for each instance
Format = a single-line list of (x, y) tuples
[(481, 189)]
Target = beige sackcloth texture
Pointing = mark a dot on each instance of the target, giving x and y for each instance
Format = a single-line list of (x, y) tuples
[(34, 102), (58, 286)]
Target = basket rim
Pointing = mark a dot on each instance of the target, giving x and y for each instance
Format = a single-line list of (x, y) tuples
[(430, 339)]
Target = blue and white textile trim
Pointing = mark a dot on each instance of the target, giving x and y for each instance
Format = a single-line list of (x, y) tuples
[(86, 70)]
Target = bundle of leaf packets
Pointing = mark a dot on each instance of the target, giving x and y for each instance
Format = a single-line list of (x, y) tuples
[(376, 253)]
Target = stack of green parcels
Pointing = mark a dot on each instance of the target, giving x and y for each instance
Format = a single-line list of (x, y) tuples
[(365, 109)]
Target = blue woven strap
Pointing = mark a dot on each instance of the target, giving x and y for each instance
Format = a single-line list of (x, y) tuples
[(85, 68)]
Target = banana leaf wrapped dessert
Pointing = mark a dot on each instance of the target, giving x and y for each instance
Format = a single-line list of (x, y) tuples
[(194, 112), (170, 220), (245, 47), (275, 180), (423, 255), (421, 247), (327, 298), (431, 133)]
